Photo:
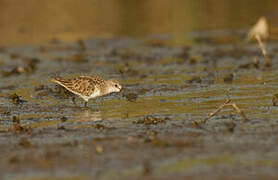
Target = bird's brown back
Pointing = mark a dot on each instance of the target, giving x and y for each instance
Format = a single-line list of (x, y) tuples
[(84, 85)]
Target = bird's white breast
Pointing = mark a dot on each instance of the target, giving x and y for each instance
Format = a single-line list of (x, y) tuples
[(96, 93)]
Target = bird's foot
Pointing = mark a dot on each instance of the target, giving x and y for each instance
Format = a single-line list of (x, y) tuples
[(73, 100)]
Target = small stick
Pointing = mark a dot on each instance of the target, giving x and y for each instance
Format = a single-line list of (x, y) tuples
[(262, 47), (241, 113), (216, 111), (225, 104)]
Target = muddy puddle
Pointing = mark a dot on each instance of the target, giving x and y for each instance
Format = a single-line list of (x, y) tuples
[(147, 130)]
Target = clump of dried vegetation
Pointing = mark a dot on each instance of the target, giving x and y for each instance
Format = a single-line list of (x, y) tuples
[(260, 32)]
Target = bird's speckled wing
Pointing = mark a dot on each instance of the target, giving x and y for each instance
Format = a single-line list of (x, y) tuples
[(82, 85)]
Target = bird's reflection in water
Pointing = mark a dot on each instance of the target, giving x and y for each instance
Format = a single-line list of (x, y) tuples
[(88, 115)]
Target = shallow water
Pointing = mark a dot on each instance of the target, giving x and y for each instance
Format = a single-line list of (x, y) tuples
[(174, 83)]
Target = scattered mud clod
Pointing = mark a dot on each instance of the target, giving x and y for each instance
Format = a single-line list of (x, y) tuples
[(156, 142), (132, 97), (195, 79), (181, 60), (147, 168), (16, 99), (14, 159), (169, 60), (52, 154), (123, 54), (13, 71), (246, 66), (151, 137), (114, 52), (81, 45), (73, 143), (16, 120), (275, 100), (195, 59), (150, 119), (255, 64), (42, 94), (40, 87), (17, 128), (43, 91), (31, 64), (79, 58), (5, 111), (24, 143), (156, 43), (127, 70), (29, 67), (185, 53), (61, 127), (230, 126), (15, 56), (228, 78), (101, 126), (63, 119), (9, 87)]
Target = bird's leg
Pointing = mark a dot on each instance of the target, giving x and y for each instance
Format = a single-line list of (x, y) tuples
[(73, 100), (98, 101), (86, 102), (101, 101)]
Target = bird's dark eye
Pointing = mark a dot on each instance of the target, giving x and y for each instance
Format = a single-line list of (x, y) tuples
[(116, 85)]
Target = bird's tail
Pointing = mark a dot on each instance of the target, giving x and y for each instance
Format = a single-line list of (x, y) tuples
[(56, 79)]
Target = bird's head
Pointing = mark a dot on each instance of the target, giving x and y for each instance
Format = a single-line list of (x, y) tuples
[(113, 85)]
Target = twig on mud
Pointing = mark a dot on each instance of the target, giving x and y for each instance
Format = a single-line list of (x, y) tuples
[(241, 113), (216, 111), (225, 104)]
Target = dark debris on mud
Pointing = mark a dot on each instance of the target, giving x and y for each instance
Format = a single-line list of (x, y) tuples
[(16, 99), (150, 119)]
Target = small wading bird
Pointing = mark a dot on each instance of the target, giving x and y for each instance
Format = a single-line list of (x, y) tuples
[(88, 87)]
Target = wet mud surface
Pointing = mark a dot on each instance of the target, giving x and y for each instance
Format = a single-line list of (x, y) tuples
[(147, 130)]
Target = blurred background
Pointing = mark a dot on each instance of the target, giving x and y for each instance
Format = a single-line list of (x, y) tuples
[(33, 21)]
